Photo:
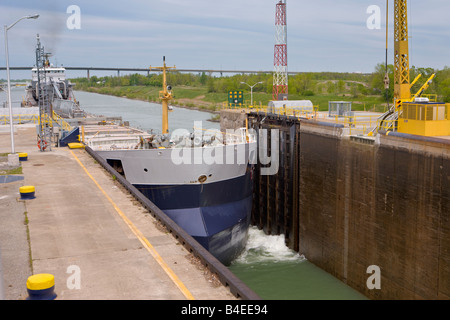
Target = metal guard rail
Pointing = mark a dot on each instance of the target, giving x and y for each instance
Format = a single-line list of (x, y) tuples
[(20, 118), (226, 277)]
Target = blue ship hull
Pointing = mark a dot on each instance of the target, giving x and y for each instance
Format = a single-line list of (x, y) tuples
[(216, 214)]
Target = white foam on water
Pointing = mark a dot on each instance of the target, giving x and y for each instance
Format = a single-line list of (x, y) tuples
[(263, 248)]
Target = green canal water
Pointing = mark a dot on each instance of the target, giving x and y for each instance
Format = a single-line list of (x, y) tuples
[(275, 272)]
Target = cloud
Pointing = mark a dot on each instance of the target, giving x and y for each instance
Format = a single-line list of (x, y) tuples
[(323, 35)]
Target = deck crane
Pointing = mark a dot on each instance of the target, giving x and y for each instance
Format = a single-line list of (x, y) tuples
[(165, 95), (402, 84)]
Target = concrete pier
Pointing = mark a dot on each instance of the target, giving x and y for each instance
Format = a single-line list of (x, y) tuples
[(89, 232)]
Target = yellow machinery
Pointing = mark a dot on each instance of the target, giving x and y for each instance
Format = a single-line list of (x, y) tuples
[(415, 116), (165, 95), (402, 87)]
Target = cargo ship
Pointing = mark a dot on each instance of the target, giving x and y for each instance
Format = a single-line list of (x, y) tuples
[(201, 180), (59, 90)]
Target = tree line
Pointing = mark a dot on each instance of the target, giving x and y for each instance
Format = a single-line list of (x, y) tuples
[(304, 84)]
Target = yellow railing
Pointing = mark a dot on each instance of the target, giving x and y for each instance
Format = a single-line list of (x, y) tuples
[(295, 111), (431, 97), (425, 112), (415, 118), (46, 120), (62, 123), (386, 125), (20, 118), (34, 118), (358, 124), (426, 119)]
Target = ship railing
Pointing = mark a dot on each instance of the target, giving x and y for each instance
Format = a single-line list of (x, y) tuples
[(121, 140), (237, 136)]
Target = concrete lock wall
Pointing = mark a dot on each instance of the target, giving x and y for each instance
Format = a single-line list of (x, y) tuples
[(384, 205), (351, 204)]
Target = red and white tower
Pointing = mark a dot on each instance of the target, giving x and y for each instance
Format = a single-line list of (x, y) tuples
[(280, 75)]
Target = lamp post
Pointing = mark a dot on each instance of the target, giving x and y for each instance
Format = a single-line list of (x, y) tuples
[(251, 88), (6, 28)]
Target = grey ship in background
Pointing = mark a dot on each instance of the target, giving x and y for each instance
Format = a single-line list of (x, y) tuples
[(63, 100)]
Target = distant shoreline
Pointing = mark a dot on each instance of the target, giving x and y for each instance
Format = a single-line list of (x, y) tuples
[(213, 119)]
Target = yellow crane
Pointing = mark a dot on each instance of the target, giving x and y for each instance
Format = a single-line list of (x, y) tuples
[(402, 85), (408, 115), (414, 116)]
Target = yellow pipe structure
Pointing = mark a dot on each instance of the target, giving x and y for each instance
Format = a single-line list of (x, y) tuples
[(165, 95), (402, 87), (415, 80), (424, 87)]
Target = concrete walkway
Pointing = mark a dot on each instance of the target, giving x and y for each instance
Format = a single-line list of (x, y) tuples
[(88, 232)]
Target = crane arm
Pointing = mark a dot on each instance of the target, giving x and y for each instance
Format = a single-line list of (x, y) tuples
[(424, 87)]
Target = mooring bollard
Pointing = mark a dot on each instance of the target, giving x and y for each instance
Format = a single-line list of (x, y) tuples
[(27, 192), (41, 287), (23, 156)]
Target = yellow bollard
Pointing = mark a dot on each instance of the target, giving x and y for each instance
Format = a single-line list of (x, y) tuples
[(27, 192), (23, 156), (41, 287)]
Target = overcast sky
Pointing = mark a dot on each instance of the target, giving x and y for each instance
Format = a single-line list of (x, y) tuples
[(323, 35)]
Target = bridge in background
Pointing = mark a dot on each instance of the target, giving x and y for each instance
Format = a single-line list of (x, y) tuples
[(148, 71)]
